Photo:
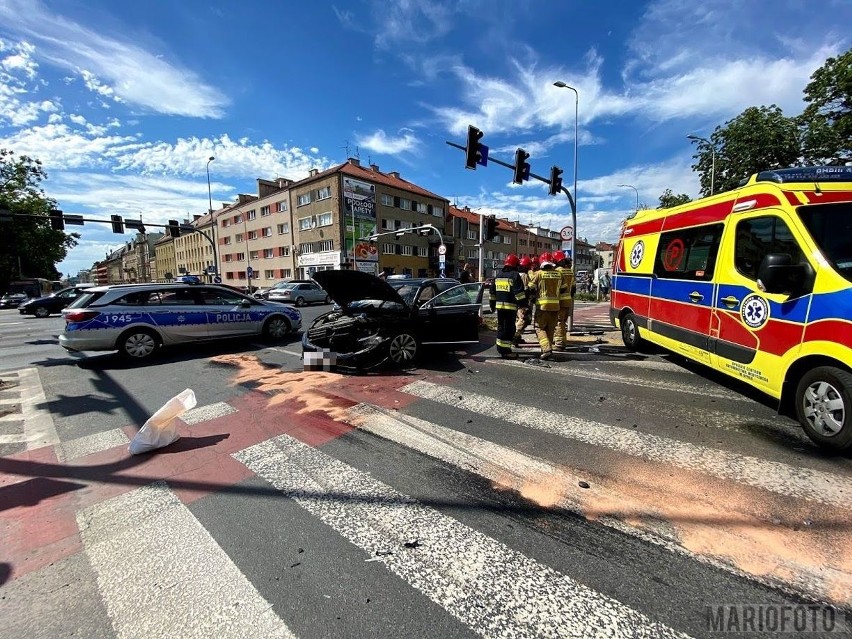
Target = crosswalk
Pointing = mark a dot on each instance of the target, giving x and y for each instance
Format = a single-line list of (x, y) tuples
[(451, 505)]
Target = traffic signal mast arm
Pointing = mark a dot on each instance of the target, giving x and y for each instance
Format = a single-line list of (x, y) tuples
[(540, 178)]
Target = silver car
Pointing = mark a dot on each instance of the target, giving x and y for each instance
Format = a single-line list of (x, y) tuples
[(300, 293), (137, 319)]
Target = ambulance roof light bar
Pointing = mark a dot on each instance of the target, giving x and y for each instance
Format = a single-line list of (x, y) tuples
[(807, 174)]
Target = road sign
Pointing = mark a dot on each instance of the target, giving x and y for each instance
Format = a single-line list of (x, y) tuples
[(249, 271), (217, 280), (567, 233), (442, 250)]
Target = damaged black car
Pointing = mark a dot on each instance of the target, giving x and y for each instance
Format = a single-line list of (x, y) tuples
[(377, 322)]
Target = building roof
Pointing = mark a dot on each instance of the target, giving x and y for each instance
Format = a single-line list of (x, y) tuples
[(372, 174), (473, 218)]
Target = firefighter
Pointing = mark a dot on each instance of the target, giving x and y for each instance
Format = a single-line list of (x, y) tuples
[(566, 299), (524, 317), (545, 285), (507, 294)]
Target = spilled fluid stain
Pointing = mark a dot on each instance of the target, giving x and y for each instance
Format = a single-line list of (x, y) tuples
[(308, 390)]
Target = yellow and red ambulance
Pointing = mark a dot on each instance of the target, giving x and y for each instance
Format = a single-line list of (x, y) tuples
[(755, 283)]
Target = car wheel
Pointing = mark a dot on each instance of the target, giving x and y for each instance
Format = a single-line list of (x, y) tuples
[(824, 406), (402, 349), (300, 301), (276, 328), (630, 332), (41, 311), (138, 344)]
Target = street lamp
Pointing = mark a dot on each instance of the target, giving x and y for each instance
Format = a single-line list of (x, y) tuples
[(713, 165), (562, 85), (630, 186), (212, 219)]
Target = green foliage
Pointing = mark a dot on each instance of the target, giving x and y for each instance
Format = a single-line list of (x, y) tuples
[(827, 120), (669, 199), (28, 246)]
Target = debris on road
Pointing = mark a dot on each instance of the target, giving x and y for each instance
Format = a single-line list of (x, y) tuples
[(161, 430)]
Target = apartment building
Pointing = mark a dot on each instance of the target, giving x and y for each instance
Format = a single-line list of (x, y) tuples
[(165, 262), (193, 252), (463, 225)]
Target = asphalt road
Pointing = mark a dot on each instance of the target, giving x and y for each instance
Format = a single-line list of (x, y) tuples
[(597, 494)]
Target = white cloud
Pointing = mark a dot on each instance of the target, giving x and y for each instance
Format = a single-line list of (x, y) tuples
[(21, 61), (380, 142), (314, 150), (60, 147), (120, 70), (77, 119)]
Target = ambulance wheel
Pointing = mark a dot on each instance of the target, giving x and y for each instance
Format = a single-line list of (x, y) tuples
[(630, 332), (824, 406)]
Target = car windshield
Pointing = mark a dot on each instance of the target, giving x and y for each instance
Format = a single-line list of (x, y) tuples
[(280, 285), (830, 225), (407, 290)]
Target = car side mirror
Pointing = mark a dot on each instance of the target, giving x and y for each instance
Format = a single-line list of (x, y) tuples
[(778, 274), (245, 304)]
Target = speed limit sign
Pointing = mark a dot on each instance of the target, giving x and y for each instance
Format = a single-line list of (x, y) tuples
[(567, 233), (442, 250)]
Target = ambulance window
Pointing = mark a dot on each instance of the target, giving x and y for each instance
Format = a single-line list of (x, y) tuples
[(759, 236), (688, 254)]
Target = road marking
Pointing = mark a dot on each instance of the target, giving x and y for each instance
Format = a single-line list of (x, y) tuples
[(494, 589), (209, 411), (39, 429), (161, 574), (779, 478), (82, 446), (620, 378)]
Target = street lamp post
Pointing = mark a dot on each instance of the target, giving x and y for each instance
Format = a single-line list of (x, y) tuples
[(630, 186), (212, 219), (562, 85), (713, 161)]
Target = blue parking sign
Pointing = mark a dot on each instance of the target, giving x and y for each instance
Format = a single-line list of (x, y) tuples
[(249, 271)]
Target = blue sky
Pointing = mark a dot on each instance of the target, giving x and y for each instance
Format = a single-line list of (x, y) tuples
[(125, 101)]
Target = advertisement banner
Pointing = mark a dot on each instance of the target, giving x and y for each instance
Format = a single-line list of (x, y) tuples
[(360, 212)]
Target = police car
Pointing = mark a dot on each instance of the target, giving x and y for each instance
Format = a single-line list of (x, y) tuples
[(137, 319)]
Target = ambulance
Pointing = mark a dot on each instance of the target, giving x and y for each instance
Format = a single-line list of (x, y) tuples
[(755, 283)]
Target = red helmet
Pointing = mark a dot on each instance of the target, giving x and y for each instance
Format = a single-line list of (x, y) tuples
[(511, 260), (526, 262), (546, 257), (558, 256), (535, 262)]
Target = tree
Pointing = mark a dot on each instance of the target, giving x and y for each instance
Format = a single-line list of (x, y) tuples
[(28, 245), (669, 199), (827, 120), (758, 139)]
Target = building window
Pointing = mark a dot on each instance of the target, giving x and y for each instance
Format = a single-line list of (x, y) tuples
[(239, 237), (266, 232), (225, 223), (404, 204), (305, 223), (326, 245), (269, 274), (507, 239), (251, 215), (471, 253), (268, 253), (438, 211), (388, 249), (252, 235), (284, 251), (324, 193), (304, 198), (286, 272), (226, 240), (422, 251), (388, 223), (407, 249), (471, 235), (306, 247), (238, 219), (281, 206), (283, 229), (324, 219), (421, 207), (227, 257), (387, 200), (264, 211), (254, 255), (241, 257)]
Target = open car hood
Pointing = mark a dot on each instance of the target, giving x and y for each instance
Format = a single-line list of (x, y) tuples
[(345, 287)]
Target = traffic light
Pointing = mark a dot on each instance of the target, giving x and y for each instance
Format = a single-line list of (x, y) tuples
[(475, 153), (174, 228), (522, 167), (490, 227), (57, 222), (117, 224), (555, 180)]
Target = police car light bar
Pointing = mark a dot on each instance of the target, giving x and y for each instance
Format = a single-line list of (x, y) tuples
[(807, 174)]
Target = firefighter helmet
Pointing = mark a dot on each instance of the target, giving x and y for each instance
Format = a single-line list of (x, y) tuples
[(558, 256), (534, 263), (511, 260), (546, 258), (526, 262)]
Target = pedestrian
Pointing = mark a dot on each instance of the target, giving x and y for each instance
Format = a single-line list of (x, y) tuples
[(524, 316), (507, 293), (465, 277), (545, 284), (566, 299), (604, 282)]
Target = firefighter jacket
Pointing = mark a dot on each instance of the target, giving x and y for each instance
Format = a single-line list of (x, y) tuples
[(507, 291), (565, 294), (546, 285)]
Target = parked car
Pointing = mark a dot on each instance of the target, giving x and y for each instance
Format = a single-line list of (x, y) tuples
[(263, 293), (137, 319), (12, 300), (45, 306), (377, 322), (300, 293)]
